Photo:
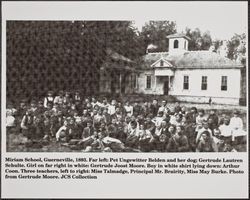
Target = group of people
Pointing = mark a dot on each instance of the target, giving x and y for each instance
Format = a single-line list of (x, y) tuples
[(100, 125)]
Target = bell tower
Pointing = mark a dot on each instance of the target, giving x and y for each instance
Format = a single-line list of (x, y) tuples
[(178, 43)]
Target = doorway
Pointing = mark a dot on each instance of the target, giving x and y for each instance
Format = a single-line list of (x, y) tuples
[(166, 86)]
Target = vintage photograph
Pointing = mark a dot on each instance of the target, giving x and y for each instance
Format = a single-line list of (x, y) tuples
[(124, 86)]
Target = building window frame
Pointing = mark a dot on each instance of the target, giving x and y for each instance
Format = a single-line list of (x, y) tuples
[(224, 83), (148, 81), (185, 82), (161, 63), (204, 83), (176, 44), (135, 81)]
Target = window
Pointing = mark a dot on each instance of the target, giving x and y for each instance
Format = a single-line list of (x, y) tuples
[(185, 45), (204, 83), (176, 44), (186, 83), (148, 82), (224, 83), (161, 63), (135, 81)]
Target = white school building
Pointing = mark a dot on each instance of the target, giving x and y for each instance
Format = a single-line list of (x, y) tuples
[(192, 76)]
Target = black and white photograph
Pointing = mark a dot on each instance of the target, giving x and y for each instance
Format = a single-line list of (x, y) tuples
[(120, 86), (124, 99)]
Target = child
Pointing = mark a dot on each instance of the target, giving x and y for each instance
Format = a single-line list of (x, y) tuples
[(203, 128), (88, 131), (199, 119), (77, 97), (111, 108), (48, 98), (60, 98), (128, 109), (27, 124), (215, 120), (236, 124), (136, 109), (133, 135), (33, 107), (159, 118), (62, 133), (226, 131), (144, 138), (206, 144), (178, 142)]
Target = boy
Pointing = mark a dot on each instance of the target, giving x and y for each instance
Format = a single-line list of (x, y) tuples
[(133, 135), (206, 144), (199, 119), (27, 124), (178, 142), (48, 98)]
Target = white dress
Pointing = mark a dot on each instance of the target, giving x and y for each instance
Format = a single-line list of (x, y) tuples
[(236, 125)]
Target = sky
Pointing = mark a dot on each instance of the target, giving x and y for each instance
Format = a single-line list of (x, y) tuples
[(222, 19)]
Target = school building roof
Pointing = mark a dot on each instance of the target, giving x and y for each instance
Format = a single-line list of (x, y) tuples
[(192, 60)]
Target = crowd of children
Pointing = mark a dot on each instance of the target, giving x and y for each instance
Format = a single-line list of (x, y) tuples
[(99, 125)]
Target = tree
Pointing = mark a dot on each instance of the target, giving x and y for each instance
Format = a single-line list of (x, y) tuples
[(199, 40), (237, 47), (156, 32)]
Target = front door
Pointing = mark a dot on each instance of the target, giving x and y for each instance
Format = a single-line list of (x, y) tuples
[(166, 86), (123, 83), (113, 83)]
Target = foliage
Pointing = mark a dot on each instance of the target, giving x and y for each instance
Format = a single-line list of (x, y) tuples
[(199, 40), (237, 47), (155, 32)]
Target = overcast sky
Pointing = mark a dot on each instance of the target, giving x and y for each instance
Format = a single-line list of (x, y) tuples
[(222, 19)]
